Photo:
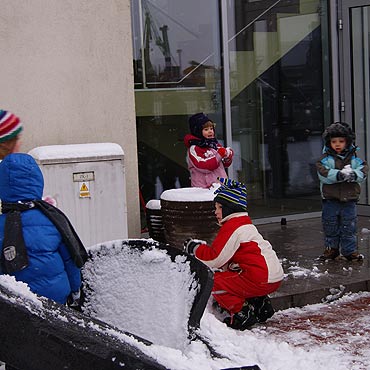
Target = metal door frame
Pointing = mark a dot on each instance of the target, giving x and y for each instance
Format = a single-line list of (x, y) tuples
[(346, 83)]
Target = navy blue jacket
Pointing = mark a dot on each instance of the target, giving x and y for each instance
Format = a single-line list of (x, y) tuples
[(51, 271)]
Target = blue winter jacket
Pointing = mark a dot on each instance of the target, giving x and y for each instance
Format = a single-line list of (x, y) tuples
[(51, 271)]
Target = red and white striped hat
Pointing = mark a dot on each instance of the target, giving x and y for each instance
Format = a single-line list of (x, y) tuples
[(10, 125)]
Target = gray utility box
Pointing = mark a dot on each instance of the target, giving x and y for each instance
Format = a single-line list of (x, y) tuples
[(88, 183)]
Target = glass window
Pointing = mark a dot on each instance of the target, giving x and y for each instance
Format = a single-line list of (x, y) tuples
[(278, 86), (177, 68), (277, 102), (359, 49)]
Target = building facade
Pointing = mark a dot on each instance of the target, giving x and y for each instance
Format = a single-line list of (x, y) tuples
[(272, 74), (66, 71)]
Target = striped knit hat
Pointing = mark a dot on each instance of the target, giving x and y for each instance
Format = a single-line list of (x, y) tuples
[(232, 194), (10, 125)]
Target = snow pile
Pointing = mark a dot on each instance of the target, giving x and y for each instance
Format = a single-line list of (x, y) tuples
[(19, 289), (143, 292), (154, 204), (293, 269), (73, 151), (190, 194), (330, 336)]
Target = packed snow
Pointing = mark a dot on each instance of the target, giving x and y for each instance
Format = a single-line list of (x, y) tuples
[(154, 204), (76, 151), (330, 336), (190, 194)]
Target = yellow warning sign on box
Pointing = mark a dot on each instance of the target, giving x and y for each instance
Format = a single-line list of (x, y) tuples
[(84, 190)]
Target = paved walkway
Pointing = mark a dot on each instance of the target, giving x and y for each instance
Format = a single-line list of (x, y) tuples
[(308, 280)]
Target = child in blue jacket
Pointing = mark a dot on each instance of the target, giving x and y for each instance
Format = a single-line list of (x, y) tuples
[(47, 264), (340, 173)]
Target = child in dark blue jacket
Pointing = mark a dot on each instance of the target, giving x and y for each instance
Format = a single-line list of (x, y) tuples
[(49, 267)]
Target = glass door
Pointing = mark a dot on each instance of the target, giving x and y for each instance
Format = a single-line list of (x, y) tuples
[(355, 75), (279, 97)]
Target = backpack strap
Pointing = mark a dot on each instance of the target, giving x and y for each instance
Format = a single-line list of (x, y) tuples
[(60, 221)]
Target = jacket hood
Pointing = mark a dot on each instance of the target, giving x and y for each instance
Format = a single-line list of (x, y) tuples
[(188, 138), (20, 178), (338, 129)]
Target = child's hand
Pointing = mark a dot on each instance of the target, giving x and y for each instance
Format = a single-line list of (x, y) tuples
[(347, 174), (74, 300), (341, 176), (225, 152), (229, 153), (222, 151), (190, 245), (351, 176)]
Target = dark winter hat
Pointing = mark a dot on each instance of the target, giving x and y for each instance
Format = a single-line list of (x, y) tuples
[(338, 129), (232, 195), (196, 123), (10, 125)]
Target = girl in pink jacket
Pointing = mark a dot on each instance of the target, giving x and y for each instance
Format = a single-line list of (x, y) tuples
[(206, 157), (247, 269)]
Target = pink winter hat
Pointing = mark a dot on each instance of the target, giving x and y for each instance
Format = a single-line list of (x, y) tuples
[(10, 125)]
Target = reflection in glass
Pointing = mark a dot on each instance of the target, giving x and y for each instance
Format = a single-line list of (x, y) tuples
[(278, 94), (174, 46), (277, 102), (177, 72)]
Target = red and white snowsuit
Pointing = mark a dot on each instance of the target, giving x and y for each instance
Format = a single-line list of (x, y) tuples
[(205, 164), (250, 265)]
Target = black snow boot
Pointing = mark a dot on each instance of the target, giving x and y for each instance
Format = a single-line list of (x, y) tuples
[(244, 319), (263, 309), (217, 307)]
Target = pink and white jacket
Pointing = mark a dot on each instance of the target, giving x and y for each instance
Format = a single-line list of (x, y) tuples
[(205, 164), (239, 246)]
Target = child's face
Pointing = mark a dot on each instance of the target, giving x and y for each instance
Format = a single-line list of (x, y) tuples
[(208, 132), (218, 211), (338, 144), (17, 145)]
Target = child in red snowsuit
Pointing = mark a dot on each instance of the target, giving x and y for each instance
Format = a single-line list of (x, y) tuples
[(250, 269), (206, 158)]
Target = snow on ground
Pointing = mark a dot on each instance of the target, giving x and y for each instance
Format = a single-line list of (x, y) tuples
[(323, 336), (330, 336), (296, 271)]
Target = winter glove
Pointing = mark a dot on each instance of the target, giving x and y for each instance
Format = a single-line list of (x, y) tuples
[(347, 174), (229, 153), (190, 245), (222, 151), (341, 176), (73, 300), (351, 176), (225, 153)]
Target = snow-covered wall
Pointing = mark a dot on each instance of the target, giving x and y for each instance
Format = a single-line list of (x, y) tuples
[(66, 71)]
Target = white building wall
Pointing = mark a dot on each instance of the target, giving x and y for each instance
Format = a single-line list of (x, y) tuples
[(66, 71)]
